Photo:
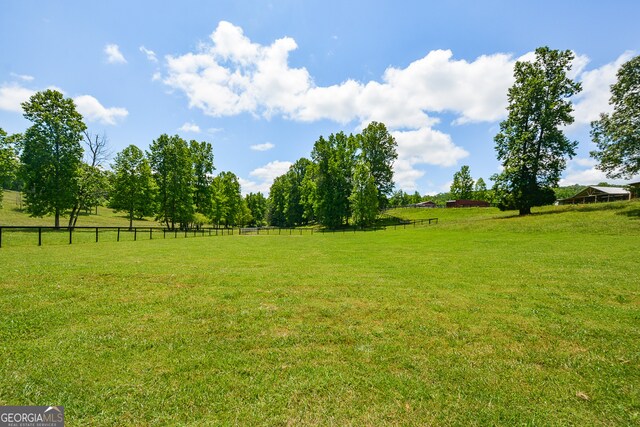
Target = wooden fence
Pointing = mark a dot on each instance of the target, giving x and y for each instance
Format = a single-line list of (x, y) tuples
[(32, 234), (114, 233)]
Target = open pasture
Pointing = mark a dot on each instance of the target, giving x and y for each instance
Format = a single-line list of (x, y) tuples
[(483, 319)]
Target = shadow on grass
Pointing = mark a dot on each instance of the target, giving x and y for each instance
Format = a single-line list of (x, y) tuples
[(632, 214)]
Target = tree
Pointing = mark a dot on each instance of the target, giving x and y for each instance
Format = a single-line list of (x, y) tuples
[(294, 208), (202, 158), (364, 196), (9, 162), (51, 154), (92, 182), (227, 201), (378, 149), (617, 135), (172, 167), (334, 158), (257, 204), (278, 201), (462, 186), (531, 144), (480, 191), (134, 189)]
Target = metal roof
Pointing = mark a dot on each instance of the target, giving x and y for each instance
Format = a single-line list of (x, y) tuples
[(609, 190)]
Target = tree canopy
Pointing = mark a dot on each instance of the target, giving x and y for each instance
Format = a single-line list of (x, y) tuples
[(51, 154), (617, 135), (531, 144), (462, 185)]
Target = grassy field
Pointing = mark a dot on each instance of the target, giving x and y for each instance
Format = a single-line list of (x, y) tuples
[(483, 319)]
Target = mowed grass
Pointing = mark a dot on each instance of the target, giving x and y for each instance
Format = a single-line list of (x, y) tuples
[(483, 319)]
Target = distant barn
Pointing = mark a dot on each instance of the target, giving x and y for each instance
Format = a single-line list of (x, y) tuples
[(467, 204), (596, 194)]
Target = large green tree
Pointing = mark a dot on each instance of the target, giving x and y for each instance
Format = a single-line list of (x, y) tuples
[(462, 185), (228, 206), (364, 196), (51, 154), (378, 149), (202, 158), (480, 191), (531, 144), (257, 204), (278, 195), (617, 135), (134, 189), (335, 159), (172, 166)]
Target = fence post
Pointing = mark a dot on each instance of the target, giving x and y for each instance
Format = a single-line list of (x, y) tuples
[(70, 235), (0, 237), (150, 233), (135, 234), (185, 233), (118, 239), (164, 233), (39, 236), (175, 233), (96, 234)]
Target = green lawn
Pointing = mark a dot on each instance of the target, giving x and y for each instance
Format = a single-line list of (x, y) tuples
[(483, 319)]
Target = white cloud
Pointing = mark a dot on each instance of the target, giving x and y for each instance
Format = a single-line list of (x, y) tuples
[(582, 170), (190, 127), (264, 177), (114, 56), (594, 98), (262, 147), (151, 55), (12, 95), (229, 75), (92, 110), (23, 77)]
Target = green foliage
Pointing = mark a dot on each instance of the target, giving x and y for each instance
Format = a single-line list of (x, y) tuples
[(228, 206), (202, 158), (617, 135), (9, 161), (531, 144), (364, 196), (567, 191), (172, 166), (257, 205), (335, 158), (378, 149), (399, 198), (278, 201), (51, 154), (462, 186), (134, 189), (480, 191)]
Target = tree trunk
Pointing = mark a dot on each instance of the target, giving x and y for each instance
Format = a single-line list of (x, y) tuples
[(525, 211), (57, 218)]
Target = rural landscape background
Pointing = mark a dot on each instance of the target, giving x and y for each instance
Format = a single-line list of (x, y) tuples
[(245, 219)]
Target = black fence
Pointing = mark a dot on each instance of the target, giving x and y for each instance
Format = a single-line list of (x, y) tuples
[(29, 235), (84, 234)]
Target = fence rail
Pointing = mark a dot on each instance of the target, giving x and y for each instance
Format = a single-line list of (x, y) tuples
[(85, 234), (116, 233)]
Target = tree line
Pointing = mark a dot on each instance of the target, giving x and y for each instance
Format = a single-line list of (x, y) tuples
[(347, 179)]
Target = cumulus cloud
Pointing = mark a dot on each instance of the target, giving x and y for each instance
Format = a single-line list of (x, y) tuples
[(263, 177), (92, 110), (262, 147), (229, 75), (582, 170), (114, 56), (596, 83), (151, 55), (190, 127), (12, 95)]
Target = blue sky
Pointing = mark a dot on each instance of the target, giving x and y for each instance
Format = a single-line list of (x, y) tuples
[(263, 80)]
